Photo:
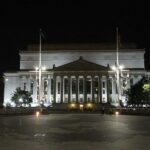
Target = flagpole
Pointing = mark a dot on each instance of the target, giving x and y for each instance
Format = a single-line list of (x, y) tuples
[(39, 67), (117, 67), (117, 47)]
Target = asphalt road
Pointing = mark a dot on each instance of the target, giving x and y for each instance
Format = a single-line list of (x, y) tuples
[(75, 132)]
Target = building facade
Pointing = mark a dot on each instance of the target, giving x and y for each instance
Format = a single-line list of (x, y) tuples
[(79, 73)]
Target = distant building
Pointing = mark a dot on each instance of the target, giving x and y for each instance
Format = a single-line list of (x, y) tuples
[(76, 73)]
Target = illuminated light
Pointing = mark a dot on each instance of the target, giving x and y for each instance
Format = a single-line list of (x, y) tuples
[(37, 114), (73, 105), (134, 109), (81, 105), (89, 105), (113, 67), (20, 100), (121, 67), (6, 79), (116, 113), (36, 68), (43, 68)]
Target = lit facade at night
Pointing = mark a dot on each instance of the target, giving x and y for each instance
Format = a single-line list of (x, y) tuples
[(79, 73)]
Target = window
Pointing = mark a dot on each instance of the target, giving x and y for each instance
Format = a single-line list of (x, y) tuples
[(103, 84), (52, 83), (31, 87), (58, 87), (24, 86), (45, 87), (88, 86), (116, 89), (80, 86), (103, 91), (66, 85), (74, 86)]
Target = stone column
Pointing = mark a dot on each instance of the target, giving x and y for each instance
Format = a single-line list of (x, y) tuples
[(77, 88), (99, 90), (62, 91), (108, 89), (92, 82), (69, 88), (42, 87), (84, 89), (71, 79), (49, 89), (35, 91), (54, 88), (113, 88)]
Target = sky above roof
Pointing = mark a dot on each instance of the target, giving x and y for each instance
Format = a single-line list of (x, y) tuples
[(70, 22)]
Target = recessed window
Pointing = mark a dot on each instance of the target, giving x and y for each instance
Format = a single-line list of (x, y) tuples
[(66, 85), (24, 86), (52, 83), (103, 91), (74, 86), (103, 84), (81, 86), (31, 87), (58, 87)]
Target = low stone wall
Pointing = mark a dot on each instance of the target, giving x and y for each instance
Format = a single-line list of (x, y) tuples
[(78, 106), (67, 109), (19, 111), (130, 111)]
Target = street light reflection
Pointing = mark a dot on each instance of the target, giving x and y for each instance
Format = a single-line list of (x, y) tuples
[(117, 113), (37, 114)]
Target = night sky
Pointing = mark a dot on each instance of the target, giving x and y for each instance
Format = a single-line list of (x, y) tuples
[(70, 22)]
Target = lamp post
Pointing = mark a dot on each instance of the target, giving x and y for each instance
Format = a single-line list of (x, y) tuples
[(40, 65), (118, 72), (38, 80)]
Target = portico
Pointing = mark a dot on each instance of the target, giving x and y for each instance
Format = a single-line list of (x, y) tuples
[(80, 81)]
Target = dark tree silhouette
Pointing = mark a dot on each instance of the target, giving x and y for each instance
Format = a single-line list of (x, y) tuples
[(21, 97), (137, 95)]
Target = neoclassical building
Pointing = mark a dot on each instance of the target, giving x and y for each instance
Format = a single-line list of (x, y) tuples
[(76, 73)]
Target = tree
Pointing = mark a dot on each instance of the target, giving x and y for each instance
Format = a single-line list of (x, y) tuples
[(146, 87), (139, 93), (21, 97)]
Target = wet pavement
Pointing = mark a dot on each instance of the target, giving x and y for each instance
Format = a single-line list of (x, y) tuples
[(75, 132)]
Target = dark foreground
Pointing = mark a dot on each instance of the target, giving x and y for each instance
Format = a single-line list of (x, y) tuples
[(75, 132)]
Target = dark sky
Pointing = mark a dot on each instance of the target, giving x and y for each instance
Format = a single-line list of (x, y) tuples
[(70, 21)]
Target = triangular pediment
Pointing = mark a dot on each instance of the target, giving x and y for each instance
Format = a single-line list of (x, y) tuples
[(81, 65)]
